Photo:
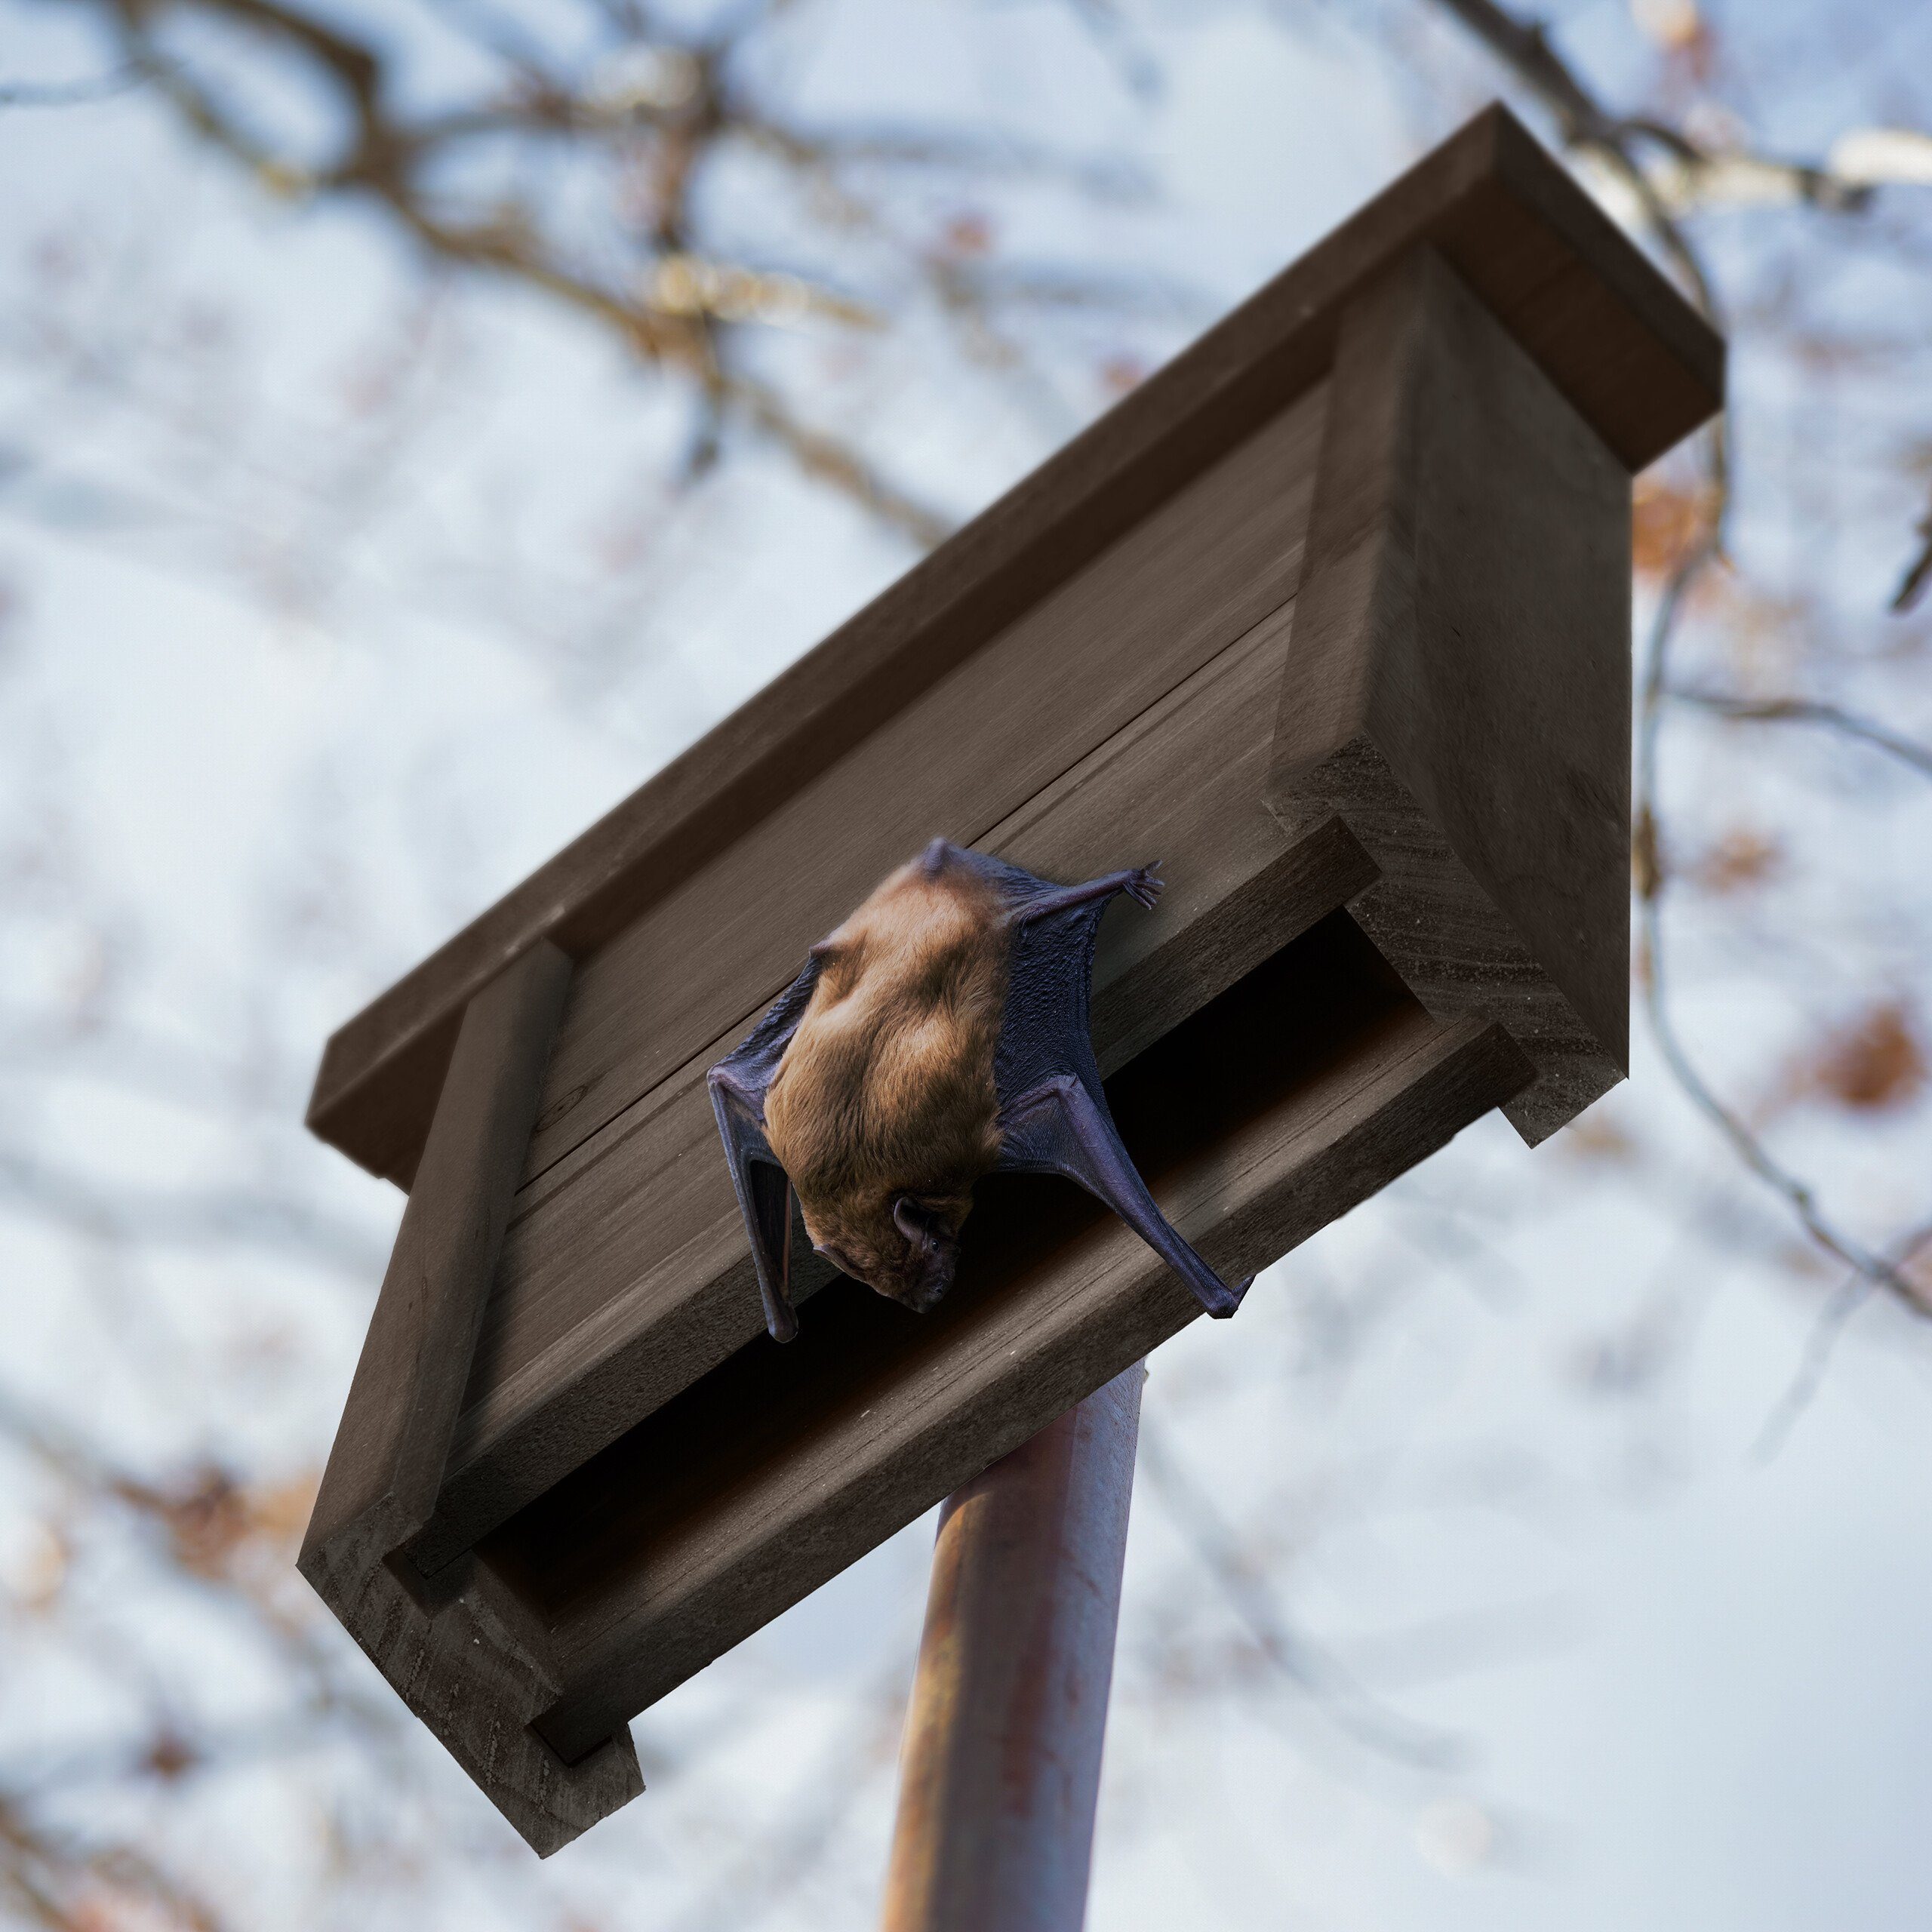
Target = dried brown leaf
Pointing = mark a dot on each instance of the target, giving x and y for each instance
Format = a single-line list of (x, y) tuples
[(1874, 1063), (1742, 858), (1667, 522)]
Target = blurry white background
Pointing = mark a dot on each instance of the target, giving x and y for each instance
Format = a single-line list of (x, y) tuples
[(1549, 1542)]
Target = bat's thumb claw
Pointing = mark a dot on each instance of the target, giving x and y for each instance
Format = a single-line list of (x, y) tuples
[(1225, 1304)]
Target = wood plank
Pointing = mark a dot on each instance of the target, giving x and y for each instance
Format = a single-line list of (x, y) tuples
[(1634, 361), (630, 1275), (1211, 563), (386, 1465), (1459, 686), (768, 1477), (474, 1678)]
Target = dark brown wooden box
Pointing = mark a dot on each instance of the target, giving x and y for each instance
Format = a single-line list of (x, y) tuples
[(1331, 616)]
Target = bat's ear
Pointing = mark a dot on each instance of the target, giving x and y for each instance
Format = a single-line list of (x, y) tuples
[(935, 1252)]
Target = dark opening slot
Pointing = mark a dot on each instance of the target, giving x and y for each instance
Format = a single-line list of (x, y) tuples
[(588, 1544)]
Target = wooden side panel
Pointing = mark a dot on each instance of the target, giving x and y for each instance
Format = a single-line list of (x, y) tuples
[(387, 1463), (472, 1677), (1459, 683), (1223, 554), (759, 1484), (1610, 333), (629, 1276)]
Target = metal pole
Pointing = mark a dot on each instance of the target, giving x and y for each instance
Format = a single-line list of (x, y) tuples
[(1001, 1769)]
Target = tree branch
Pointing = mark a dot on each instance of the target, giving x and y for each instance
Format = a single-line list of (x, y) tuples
[(678, 321), (1797, 1195), (1807, 711)]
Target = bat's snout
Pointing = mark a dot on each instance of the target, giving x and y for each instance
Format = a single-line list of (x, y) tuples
[(909, 1257)]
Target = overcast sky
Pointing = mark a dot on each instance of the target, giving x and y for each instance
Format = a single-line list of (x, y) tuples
[(286, 694)]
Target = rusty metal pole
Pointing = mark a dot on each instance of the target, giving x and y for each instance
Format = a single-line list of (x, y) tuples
[(1001, 1769)]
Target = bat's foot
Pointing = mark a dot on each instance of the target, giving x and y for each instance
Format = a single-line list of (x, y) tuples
[(1146, 885), (1224, 1304)]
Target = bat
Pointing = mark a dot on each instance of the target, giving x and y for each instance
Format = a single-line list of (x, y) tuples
[(939, 1034)]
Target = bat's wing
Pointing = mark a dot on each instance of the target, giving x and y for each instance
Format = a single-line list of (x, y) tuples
[(738, 1084), (1063, 1127), (1053, 1116)]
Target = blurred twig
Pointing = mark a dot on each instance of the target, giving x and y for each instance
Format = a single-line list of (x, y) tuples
[(663, 314), (1808, 711), (1525, 48), (67, 1885), (1298, 1657), (1692, 172), (1853, 1292), (1618, 141), (70, 94), (1918, 572), (681, 303), (1798, 1194)]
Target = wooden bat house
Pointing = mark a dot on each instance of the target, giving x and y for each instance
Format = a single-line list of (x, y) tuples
[(1331, 616)]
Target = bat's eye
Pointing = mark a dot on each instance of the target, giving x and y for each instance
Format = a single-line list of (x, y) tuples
[(932, 1253), (918, 1222)]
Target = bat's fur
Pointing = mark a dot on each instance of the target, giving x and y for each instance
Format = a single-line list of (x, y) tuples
[(883, 1109)]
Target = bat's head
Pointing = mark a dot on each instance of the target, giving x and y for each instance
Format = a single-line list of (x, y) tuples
[(884, 1109), (904, 1246)]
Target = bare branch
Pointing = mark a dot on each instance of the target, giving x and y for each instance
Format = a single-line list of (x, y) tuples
[(51, 1877), (1298, 1657), (1798, 1194), (71, 94), (1833, 1319), (1918, 572), (675, 315), (1586, 125), (1691, 173), (1808, 711)]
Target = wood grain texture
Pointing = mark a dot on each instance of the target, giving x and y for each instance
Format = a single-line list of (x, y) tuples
[(1458, 687), (1219, 557), (455, 1661), (1612, 337), (469, 1671), (386, 1465), (764, 1479), (628, 1274)]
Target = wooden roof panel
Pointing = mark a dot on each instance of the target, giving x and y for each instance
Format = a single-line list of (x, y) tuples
[(1635, 361)]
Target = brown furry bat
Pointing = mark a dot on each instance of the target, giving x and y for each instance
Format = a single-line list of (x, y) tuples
[(884, 1111), (939, 1033)]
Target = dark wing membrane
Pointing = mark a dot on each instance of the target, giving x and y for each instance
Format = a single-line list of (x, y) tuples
[(755, 1059), (1053, 1115), (738, 1084)]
